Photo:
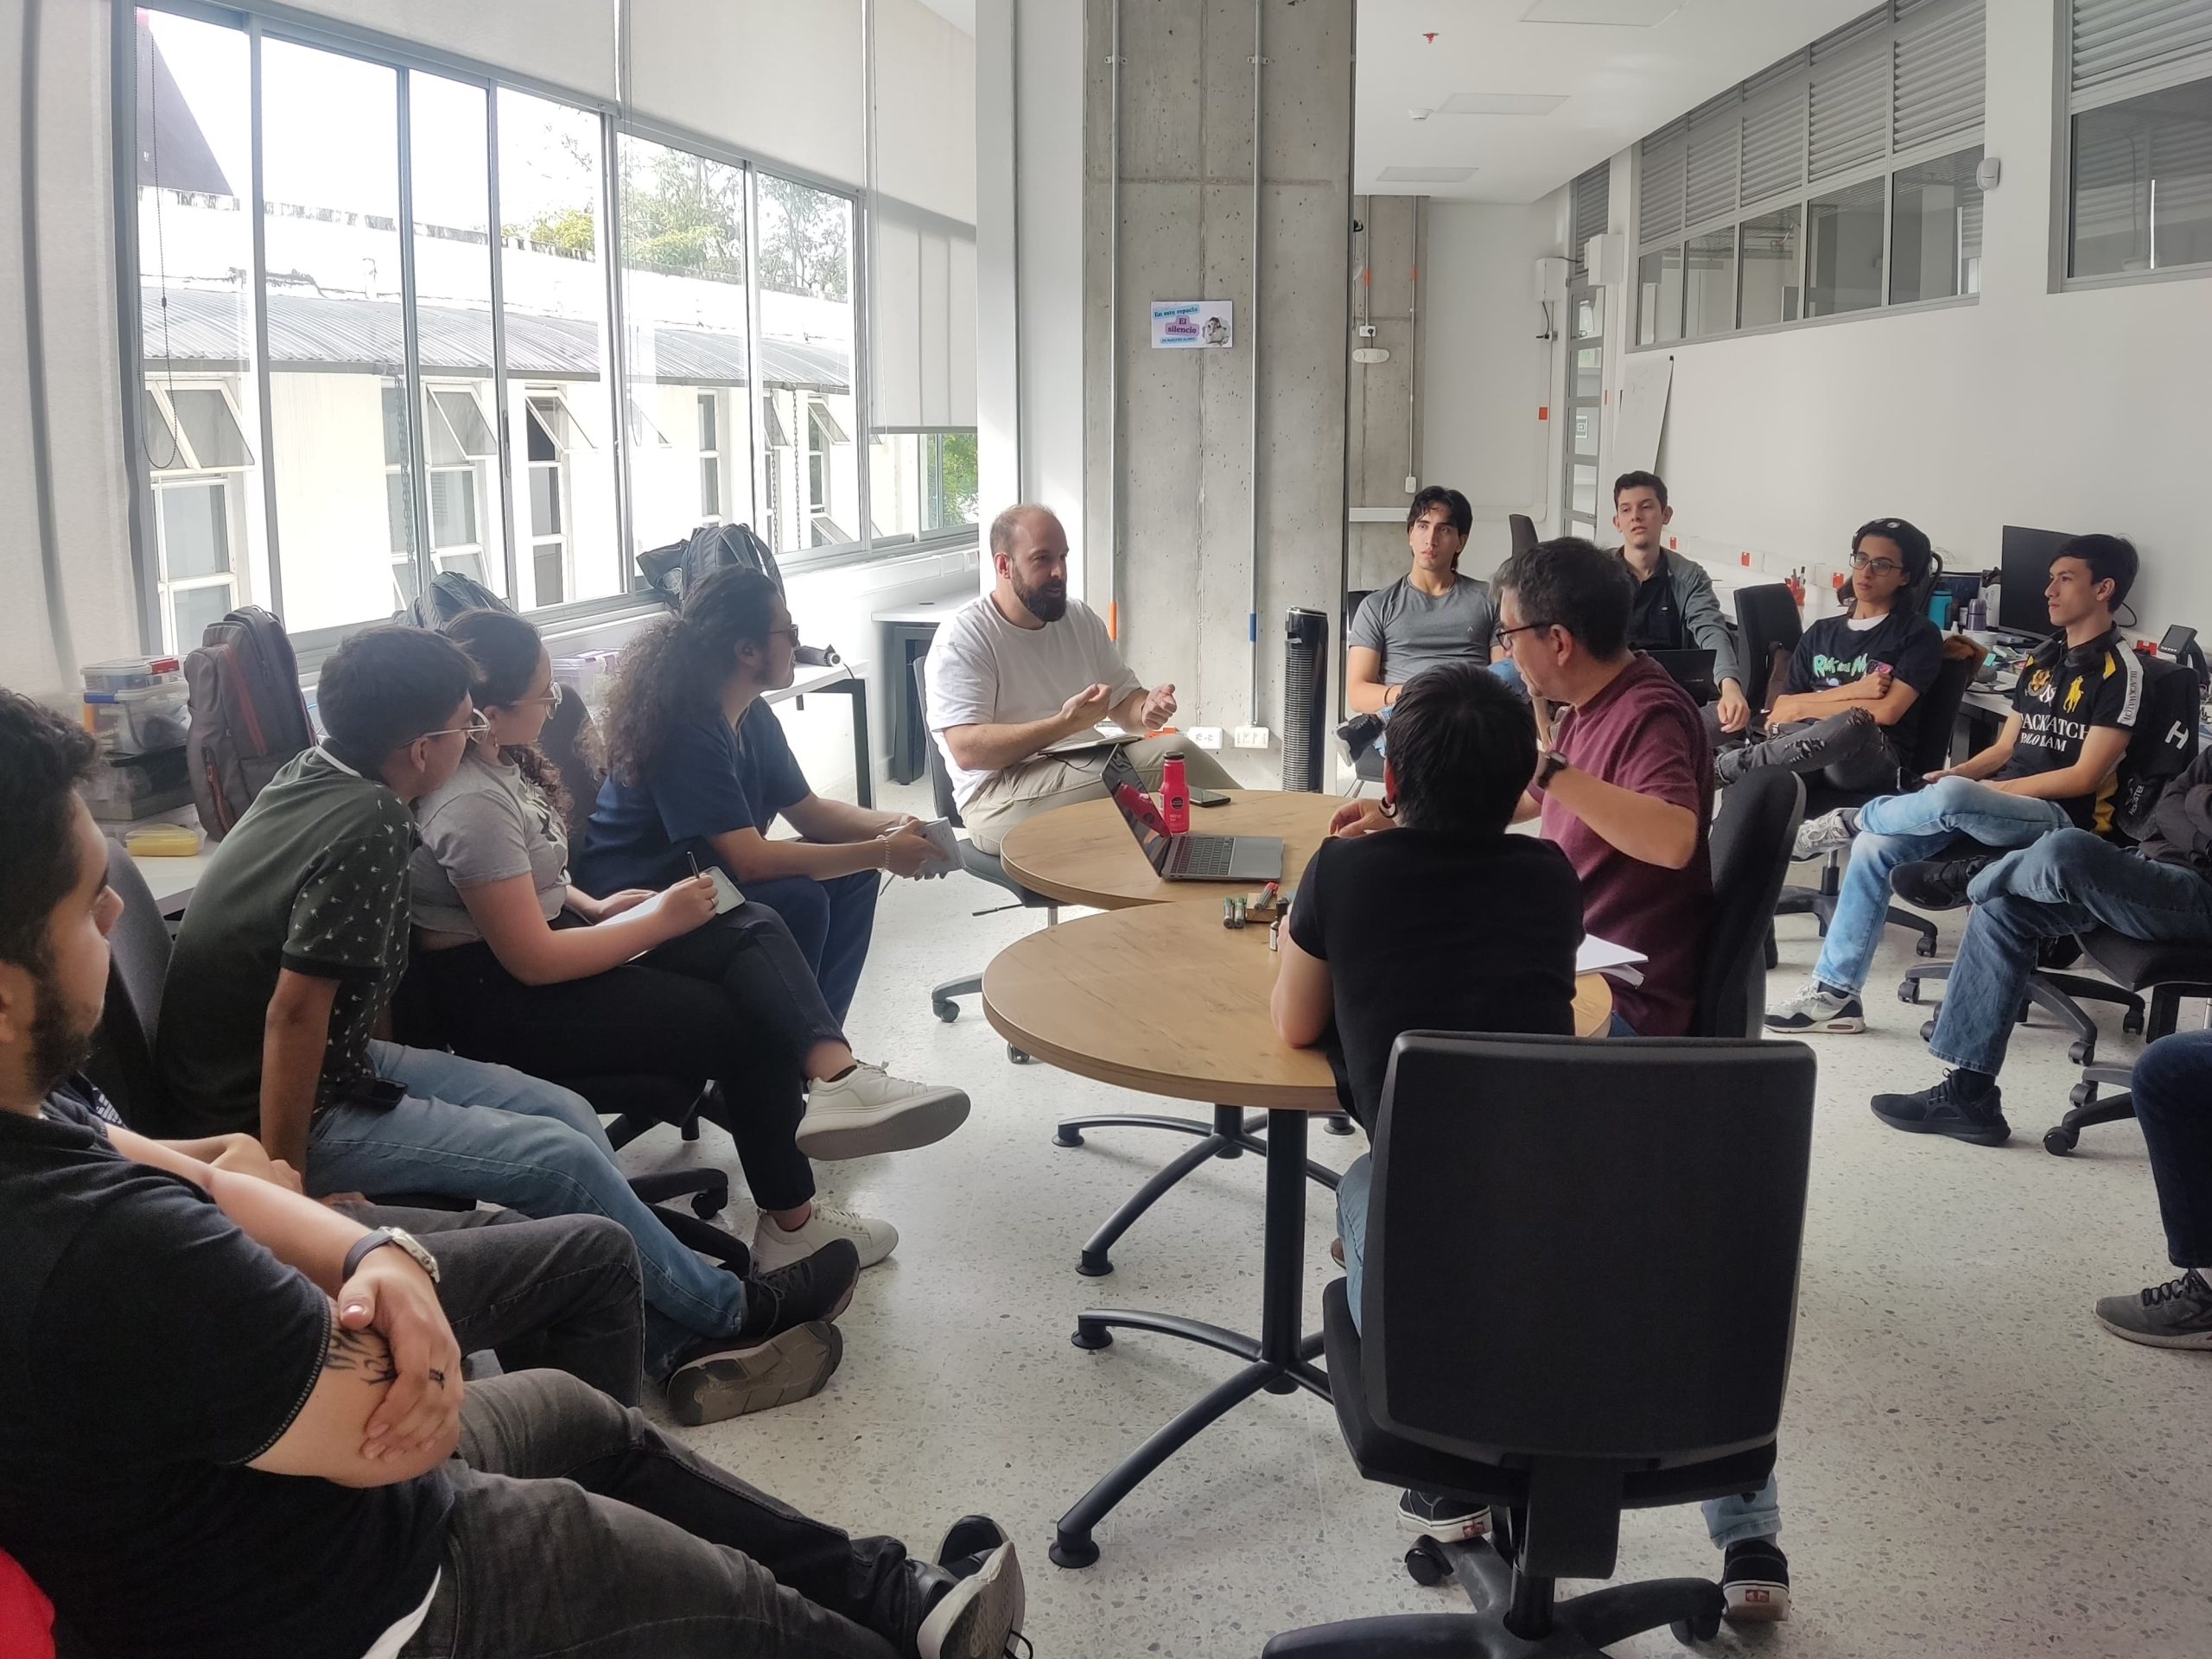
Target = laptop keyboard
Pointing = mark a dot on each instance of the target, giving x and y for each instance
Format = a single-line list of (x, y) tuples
[(1203, 857)]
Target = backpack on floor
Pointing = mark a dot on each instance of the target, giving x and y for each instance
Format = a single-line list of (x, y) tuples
[(451, 594), (248, 717), (2162, 746), (675, 570)]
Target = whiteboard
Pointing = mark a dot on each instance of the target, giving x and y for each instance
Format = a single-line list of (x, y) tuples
[(1645, 384)]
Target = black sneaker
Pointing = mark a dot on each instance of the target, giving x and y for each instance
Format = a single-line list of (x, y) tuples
[(1448, 1520), (1755, 1579), (1938, 883), (818, 1287), (2176, 1314), (981, 1616), (720, 1378), (968, 1544), (1946, 1109)]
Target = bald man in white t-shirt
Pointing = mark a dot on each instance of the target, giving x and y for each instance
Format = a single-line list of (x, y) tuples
[(1023, 667)]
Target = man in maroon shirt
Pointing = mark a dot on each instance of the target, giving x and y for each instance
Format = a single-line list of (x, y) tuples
[(1625, 785)]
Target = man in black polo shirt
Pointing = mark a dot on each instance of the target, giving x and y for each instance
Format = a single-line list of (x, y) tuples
[(233, 1414), (2050, 768)]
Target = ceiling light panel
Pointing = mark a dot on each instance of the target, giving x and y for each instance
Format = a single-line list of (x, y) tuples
[(1501, 103)]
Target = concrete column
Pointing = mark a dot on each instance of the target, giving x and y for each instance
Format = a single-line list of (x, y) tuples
[(1185, 195), (1383, 424)]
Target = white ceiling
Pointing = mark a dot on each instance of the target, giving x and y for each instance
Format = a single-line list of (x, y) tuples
[(1618, 81), (960, 14)]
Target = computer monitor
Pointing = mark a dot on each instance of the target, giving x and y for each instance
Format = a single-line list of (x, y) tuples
[(2023, 571)]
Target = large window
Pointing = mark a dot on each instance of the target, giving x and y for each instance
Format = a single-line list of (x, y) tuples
[(1840, 180), (2138, 109), (467, 328)]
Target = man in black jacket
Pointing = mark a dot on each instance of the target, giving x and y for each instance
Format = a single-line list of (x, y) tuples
[(2068, 881)]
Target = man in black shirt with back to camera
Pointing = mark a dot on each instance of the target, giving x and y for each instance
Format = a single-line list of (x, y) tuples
[(236, 1424)]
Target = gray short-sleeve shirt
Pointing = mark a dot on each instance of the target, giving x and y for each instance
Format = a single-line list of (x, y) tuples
[(1412, 631), (487, 824)]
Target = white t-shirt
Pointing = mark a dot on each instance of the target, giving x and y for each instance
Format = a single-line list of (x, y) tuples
[(982, 671)]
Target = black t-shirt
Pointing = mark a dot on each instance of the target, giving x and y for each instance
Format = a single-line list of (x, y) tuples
[(2062, 693), (1656, 623), (1425, 932), (1832, 653), (149, 1351)]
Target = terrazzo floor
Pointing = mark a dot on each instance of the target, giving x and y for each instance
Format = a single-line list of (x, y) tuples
[(1970, 1466)]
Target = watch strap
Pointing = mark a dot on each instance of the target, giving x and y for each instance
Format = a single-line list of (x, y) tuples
[(374, 1240)]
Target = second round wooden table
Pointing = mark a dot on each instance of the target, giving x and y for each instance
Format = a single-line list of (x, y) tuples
[(1083, 854)]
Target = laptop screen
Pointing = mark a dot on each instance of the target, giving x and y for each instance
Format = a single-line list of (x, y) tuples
[(1126, 789)]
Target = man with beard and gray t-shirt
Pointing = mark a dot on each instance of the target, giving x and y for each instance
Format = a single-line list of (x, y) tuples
[(1023, 669)]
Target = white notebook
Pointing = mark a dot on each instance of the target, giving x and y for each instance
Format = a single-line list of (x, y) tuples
[(1615, 961)]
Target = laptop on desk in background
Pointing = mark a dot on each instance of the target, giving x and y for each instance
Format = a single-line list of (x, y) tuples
[(1186, 857)]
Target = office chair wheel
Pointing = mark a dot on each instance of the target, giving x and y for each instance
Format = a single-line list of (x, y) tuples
[(1926, 1029), (1924, 945), (2082, 1053), (1909, 991), (2132, 1022), (707, 1206), (1017, 1056), (1690, 1632), (2058, 1140), (945, 1008), (1425, 1563), (2082, 1094)]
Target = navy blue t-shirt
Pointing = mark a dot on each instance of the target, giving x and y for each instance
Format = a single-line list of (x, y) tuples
[(706, 780)]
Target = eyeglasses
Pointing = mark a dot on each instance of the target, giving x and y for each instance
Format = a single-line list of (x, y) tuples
[(478, 725), (1501, 636), (1879, 567), (790, 633), (550, 701)]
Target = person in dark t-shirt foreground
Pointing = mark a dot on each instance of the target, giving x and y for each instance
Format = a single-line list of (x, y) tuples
[(1623, 787), (1847, 709), (236, 1426)]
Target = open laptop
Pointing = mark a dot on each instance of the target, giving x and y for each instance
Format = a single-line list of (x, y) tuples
[(1186, 858), (1691, 669)]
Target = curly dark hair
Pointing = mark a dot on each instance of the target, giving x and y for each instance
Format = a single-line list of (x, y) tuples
[(677, 667), (506, 649), (43, 759)]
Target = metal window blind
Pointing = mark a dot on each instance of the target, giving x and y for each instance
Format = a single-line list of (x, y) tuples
[(1666, 157), (1774, 131), (1593, 206), (1715, 138), (1850, 96), (1937, 91), (2115, 41)]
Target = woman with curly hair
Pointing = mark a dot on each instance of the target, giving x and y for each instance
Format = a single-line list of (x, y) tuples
[(531, 969)]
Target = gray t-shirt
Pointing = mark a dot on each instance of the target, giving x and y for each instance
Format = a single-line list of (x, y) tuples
[(489, 823), (1412, 631)]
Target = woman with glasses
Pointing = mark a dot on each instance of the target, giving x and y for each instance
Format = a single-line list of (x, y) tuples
[(1846, 710), (526, 966)]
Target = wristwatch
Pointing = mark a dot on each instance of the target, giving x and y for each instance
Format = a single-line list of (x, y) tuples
[(1547, 767), (382, 1236)]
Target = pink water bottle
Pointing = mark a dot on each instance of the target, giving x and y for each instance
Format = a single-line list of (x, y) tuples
[(1175, 796)]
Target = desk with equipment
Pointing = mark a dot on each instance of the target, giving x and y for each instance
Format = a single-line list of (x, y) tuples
[(1064, 995)]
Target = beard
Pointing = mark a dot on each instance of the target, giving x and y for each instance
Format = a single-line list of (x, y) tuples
[(61, 1043), (1047, 603)]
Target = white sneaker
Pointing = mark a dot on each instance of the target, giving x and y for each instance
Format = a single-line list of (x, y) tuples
[(868, 1110), (773, 1248), (1814, 1007), (1818, 837)]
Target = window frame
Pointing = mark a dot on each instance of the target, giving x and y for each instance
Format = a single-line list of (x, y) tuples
[(340, 36), (1884, 166)]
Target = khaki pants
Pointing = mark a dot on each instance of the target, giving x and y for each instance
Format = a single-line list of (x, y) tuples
[(1038, 785)]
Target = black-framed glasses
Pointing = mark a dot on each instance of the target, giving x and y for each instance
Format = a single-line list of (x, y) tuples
[(790, 633), (1503, 636), (478, 725), (1879, 567)]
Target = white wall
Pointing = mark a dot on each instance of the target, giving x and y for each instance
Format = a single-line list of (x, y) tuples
[(2072, 411), (1048, 169), (775, 79), (1485, 374)]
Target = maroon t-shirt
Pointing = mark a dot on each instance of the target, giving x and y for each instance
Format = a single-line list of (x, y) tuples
[(1643, 733)]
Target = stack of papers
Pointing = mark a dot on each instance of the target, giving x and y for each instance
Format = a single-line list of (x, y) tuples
[(1614, 961)]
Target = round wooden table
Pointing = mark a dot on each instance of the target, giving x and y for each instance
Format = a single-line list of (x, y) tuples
[(1163, 998), (1085, 853)]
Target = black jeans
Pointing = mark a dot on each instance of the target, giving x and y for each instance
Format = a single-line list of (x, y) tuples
[(562, 1293), (1847, 751), (2173, 1102), (579, 1530), (734, 1002)]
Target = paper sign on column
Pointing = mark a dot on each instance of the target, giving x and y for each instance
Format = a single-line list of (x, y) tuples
[(1194, 324)]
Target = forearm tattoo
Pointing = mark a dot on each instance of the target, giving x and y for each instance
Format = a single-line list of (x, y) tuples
[(360, 1351)]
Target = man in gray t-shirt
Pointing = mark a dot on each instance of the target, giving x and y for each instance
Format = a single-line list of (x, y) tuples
[(1432, 615)]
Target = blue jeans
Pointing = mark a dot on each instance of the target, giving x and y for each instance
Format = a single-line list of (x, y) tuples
[(1897, 828), (832, 920), (1727, 1519), (2066, 883), (468, 1130), (2172, 1087)]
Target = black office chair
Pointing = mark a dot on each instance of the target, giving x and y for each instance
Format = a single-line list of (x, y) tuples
[(1931, 751), (123, 1065), (1768, 629), (1367, 765), (1749, 846), (984, 867), (2173, 974), (1523, 530), (1671, 1171)]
